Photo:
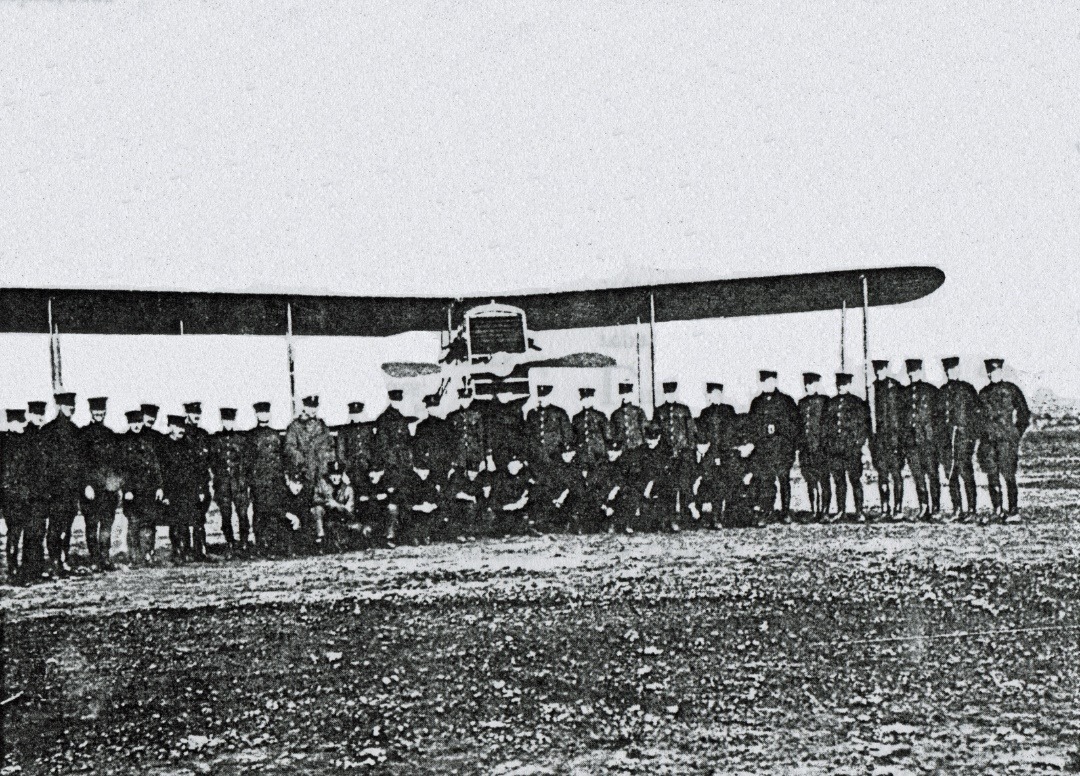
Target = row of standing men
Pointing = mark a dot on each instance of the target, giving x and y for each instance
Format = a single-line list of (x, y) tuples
[(489, 467)]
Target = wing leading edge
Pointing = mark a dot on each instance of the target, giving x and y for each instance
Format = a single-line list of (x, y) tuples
[(83, 311)]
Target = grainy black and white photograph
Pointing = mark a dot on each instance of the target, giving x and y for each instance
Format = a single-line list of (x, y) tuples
[(539, 388)]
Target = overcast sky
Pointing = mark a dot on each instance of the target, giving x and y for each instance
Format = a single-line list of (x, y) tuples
[(412, 148)]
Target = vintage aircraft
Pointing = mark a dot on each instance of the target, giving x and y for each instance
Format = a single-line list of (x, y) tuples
[(487, 341)]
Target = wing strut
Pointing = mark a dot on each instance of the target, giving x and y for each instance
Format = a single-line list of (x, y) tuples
[(652, 352), (289, 354), (866, 352)]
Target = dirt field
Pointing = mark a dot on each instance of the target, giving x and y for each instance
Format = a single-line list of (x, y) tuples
[(882, 649)]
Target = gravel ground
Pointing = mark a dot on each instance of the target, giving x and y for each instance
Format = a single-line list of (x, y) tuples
[(881, 649)]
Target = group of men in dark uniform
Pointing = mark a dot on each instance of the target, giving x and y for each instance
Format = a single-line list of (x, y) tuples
[(489, 468)]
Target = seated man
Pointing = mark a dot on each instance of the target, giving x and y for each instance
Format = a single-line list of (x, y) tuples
[(511, 499), (334, 508)]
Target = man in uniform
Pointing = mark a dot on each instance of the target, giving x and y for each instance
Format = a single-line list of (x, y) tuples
[(716, 427), (309, 448), (333, 508), (15, 486), (467, 431), (1006, 417), (185, 490), (504, 429), (393, 441), (560, 492), (657, 480), (60, 471), (548, 428), (846, 427), (142, 485), (356, 444), (774, 419), (590, 428), (886, 447), (199, 439), (812, 460), (922, 438), (627, 423), (510, 498), (675, 420), (103, 470), (266, 475), (958, 410), (424, 485), (229, 449)]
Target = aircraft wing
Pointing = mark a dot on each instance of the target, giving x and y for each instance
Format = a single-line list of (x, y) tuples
[(82, 311)]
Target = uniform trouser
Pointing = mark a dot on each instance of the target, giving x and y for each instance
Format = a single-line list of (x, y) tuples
[(815, 470), (60, 514), (141, 513), (15, 516), (778, 476), (922, 460), (263, 517), (99, 514), (228, 495), (34, 539), (889, 464), (843, 466), (960, 470), (186, 520), (999, 459)]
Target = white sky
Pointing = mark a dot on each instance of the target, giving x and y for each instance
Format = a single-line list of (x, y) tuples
[(434, 148)]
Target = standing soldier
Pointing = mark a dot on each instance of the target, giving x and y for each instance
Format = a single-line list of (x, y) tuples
[(60, 472), (846, 427), (627, 423), (812, 459), (548, 428), (675, 421), (716, 427), (467, 431), (356, 444), (266, 475), (228, 460), (15, 486), (393, 442), (958, 409), (589, 426), (774, 423), (185, 491), (309, 448), (886, 447), (199, 438), (506, 429), (922, 438), (142, 486), (32, 471), (1006, 417), (103, 468)]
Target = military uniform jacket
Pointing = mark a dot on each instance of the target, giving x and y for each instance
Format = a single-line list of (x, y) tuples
[(102, 464), (889, 413), (1005, 411), (677, 425), (267, 471), (417, 490), (339, 498), (716, 426), (958, 408), (229, 453), (549, 430), (511, 487), (811, 414), (467, 426), (590, 429), (432, 446), (504, 430), (775, 421), (309, 449), (846, 424), (627, 424), (142, 470), (660, 466), (18, 462), (479, 487), (356, 448), (184, 473), (393, 442), (58, 465), (921, 421)]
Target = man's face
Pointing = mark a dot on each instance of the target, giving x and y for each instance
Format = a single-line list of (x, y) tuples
[(567, 456), (953, 373), (262, 417), (66, 410), (37, 420), (996, 376), (768, 385), (135, 426), (17, 426), (915, 375), (652, 443), (613, 455), (194, 417), (228, 425), (813, 389), (716, 397), (354, 417), (176, 432), (149, 421), (308, 412), (882, 373), (587, 402), (335, 479), (844, 390), (514, 467), (295, 486), (505, 397), (98, 416)]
